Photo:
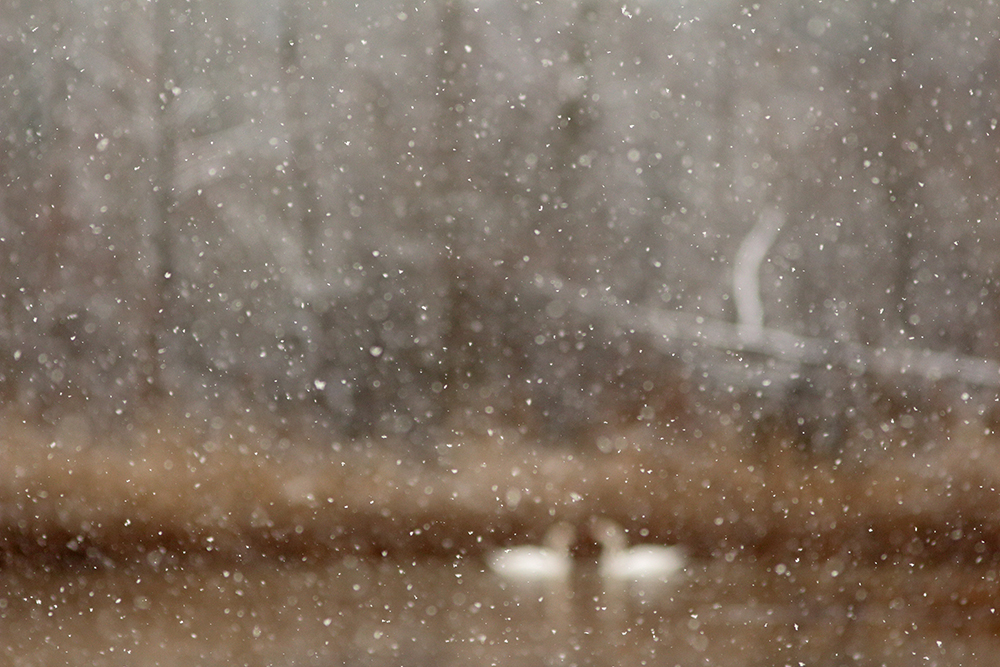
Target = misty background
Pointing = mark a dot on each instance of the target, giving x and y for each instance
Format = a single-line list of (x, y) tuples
[(385, 219)]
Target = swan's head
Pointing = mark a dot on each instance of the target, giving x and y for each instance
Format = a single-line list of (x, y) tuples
[(561, 537), (608, 534)]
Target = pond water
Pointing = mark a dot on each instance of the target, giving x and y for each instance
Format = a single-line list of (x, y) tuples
[(455, 612)]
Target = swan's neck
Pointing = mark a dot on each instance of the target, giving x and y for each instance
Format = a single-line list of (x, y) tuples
[(560, 538), (611, 537)]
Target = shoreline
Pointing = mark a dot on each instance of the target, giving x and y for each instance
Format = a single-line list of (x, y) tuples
[(155, 502)]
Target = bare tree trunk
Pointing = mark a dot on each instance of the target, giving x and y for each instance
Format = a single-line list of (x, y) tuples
[(158, 232), (448, 221), (302, 166)]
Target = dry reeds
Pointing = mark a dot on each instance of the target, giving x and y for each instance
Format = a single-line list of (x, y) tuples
[(235, 498)]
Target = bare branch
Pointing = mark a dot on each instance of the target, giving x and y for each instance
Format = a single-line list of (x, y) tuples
[(675, 331), (746, 272)]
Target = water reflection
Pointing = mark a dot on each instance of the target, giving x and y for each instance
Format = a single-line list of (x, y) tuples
[(358, 612)]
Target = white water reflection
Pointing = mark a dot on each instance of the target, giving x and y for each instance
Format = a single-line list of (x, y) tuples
[(357, 612)]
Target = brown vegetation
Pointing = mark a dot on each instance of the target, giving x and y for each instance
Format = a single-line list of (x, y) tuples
[(241, 496)]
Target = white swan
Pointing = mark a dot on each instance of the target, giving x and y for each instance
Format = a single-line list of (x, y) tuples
[(532, 563), (645, 563)]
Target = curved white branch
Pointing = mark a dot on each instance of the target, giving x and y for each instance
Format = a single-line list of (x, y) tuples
[(673, 331), (746, 273)]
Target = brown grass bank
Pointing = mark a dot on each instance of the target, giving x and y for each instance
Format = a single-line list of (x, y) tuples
[(169, 498)]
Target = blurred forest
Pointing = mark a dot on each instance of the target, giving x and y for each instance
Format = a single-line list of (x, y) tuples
[(395, 220)]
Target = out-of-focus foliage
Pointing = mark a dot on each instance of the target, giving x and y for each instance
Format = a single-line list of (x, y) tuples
[(347, 209)]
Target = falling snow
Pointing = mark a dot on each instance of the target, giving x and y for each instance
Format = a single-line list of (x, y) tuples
[(473, 332)]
